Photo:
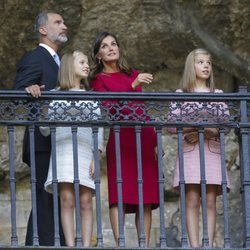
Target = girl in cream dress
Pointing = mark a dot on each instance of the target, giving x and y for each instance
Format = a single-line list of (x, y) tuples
[(74, 68)]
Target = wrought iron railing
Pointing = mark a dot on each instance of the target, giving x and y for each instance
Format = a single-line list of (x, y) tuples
[(163, 111)]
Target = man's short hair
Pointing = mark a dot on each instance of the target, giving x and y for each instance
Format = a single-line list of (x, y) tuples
[(41, 20)]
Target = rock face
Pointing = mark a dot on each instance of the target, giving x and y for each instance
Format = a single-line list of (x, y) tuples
[(157, 35)]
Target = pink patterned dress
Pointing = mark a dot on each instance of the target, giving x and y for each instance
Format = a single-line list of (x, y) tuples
[(191, 155)]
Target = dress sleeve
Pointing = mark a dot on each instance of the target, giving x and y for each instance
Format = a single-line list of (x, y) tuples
[(98, 85), (139, 87)]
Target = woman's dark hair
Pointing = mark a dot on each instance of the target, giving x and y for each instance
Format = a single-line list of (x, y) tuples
[(98, 65)]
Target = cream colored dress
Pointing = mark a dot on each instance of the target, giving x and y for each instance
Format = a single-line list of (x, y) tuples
[(64, 144)]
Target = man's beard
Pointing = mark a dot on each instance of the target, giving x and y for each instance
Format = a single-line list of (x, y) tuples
[(62, 38)]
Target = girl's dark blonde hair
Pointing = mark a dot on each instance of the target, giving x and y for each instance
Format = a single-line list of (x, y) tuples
[(188, 81), (66, 74)]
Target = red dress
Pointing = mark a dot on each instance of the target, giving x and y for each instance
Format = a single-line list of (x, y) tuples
[(120, 82)]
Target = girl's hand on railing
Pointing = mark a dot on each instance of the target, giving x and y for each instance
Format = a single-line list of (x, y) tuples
[(45, 131), (92, 169), (211, 133), (191, 137), (156, 153)]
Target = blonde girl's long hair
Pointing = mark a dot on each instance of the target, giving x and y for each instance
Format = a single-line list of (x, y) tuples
[(188, 81), (66, 74)]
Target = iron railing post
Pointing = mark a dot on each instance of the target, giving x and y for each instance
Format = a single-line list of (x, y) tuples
[(227, 240), (79, 239), (121, 238), (97, 188), (244, 133), (184, 240), (205, 240), (55, 186), (14, 238), (140, 186), (33, 184), (163, 238)]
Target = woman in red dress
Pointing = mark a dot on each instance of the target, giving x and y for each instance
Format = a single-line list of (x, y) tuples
[(111, 73)]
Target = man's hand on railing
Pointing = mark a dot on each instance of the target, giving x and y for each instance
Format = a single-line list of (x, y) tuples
[(35, 90)]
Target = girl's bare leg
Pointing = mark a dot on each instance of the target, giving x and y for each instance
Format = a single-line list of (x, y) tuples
[(86, 206), (67, 200), (192, 213), (113, 214), (211, 212), (147, 222)]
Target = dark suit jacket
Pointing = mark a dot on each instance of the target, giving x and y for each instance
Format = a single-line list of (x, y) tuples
[(39, 67), (36, 67)]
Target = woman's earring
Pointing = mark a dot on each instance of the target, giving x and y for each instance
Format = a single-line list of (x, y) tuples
[(99, 60)]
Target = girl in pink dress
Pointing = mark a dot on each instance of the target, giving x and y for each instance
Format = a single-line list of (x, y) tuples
[(198, 77), (111, 73)]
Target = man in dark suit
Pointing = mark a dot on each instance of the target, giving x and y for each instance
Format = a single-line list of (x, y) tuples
[(37, 70)]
